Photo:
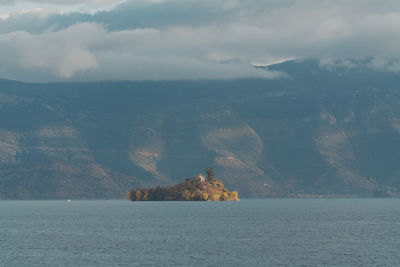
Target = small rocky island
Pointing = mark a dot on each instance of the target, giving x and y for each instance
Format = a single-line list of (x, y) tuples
[(192, 189)]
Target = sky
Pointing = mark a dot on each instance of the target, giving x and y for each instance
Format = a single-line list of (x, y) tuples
[(93, 40)]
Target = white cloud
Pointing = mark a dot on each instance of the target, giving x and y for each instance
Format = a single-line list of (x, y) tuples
[(60, 2), (189, 39), (140, 54), (59, 54), (10, 7)]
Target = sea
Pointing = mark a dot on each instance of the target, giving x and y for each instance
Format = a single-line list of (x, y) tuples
[(251, 232)]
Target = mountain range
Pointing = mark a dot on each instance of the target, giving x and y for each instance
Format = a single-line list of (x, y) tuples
[(317, 131)]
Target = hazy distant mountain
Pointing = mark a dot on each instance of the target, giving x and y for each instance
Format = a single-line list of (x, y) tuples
[(317, 132)]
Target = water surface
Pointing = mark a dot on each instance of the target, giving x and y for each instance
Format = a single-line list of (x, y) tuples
[(290, 232)]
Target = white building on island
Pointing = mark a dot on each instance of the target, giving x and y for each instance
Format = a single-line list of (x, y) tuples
[(201, 178)]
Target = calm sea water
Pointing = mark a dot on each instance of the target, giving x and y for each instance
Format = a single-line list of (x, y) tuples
[(295, 232)]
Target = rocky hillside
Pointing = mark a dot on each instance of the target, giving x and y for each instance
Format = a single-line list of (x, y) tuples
[(192, 189), (318, 131)]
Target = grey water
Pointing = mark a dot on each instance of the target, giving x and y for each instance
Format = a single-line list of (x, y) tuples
[(268, 232)]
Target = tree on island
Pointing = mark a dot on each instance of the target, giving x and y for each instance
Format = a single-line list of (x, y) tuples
[(210, 174)]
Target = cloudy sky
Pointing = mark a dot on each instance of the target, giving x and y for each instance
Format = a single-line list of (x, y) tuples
[(85, 40)]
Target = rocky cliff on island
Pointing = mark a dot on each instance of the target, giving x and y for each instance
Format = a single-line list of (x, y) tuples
[(192, 189)]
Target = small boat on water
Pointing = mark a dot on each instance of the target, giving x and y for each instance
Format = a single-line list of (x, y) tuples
[(69, 200)]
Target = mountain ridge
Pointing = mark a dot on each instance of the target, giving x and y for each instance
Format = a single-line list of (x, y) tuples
[(319, 132)]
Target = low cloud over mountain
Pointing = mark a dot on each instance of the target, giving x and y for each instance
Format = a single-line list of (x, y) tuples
[(174, 39)]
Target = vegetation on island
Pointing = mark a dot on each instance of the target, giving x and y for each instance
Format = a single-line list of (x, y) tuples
[(192, 189)]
